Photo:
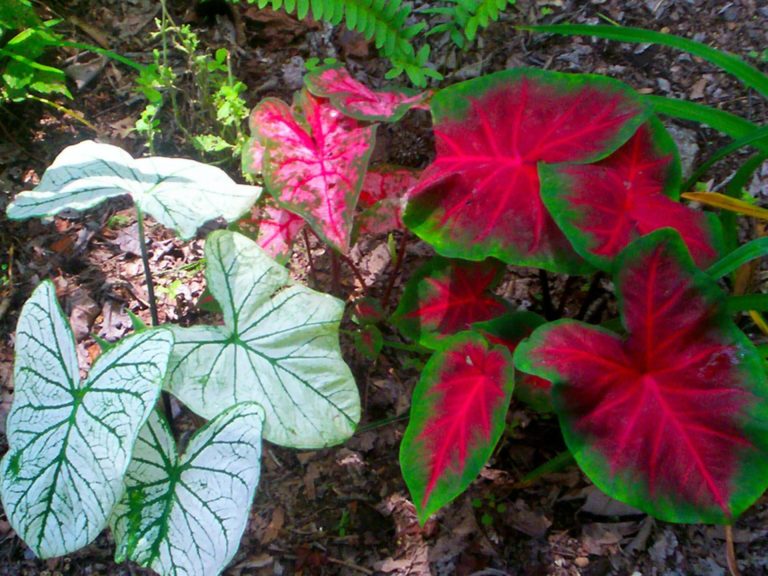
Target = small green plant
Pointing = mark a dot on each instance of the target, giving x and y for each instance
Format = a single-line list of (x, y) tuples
[(214, 113)]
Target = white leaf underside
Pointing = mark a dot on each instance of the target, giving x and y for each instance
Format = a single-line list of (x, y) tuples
[(179, 193), (186, 515), (70, 442), (279, 347)]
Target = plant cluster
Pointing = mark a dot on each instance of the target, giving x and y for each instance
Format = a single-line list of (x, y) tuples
[(393, 28), (663, 408)]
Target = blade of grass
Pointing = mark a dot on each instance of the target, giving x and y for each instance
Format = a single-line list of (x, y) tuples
[(725, 122), (748, 303), (743, 254), (745, 73), (717, 200), (734, 188), (759, 321), (758, 136)]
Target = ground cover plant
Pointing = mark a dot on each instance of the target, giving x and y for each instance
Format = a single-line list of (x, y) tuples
[(662, 406)]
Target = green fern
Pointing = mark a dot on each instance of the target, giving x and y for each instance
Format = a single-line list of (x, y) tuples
[(465, 17), (383, 21)]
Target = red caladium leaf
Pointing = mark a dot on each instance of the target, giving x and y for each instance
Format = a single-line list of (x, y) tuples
[(509, 330), (457, 417), (672, 419), (446, 296), (277, 230), (314, 161), (383, 196), (480, 197), (355, 99), (602, 207)]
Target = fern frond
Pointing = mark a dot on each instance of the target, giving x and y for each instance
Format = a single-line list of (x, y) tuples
[(465, 17), (385, 22)]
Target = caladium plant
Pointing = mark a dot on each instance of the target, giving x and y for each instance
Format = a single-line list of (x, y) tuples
[(186, 514), (509, 330), (356, 100), (71, 441), (445, 297), (181, 194), (672, 417), (480, 197), (457, 417), (279, 346), (602, 207), (382, 198), (313, 160)]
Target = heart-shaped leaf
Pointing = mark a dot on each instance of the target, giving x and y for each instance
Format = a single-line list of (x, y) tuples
[(279, 346), (314, 160), (602, 207), (355, 99), (71, 441), (382, 198), (179, 193), (480, 197), (672, 419), (273, 228), (509, 330), (457, 417), (185, 515), (445, 297)]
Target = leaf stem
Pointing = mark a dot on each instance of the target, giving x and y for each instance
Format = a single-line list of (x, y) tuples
[(589, 298), (311, 260), (355, 270), (730, 552), (396, 272), (546, 296), (555, 464), (166, 398)]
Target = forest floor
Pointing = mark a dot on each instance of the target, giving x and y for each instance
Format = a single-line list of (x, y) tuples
[(346, 510)]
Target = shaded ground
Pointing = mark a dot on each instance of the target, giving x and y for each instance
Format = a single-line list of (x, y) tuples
[(346, 510)]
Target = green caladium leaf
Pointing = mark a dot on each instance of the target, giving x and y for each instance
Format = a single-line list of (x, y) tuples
[(279, 346), (186, 514), (179, 193), (71, 441)]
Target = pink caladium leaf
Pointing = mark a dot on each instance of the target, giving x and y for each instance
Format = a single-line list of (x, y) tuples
[(509, 330), (314, 162), (355, 99), (445, 297), (672, 418), (382, 198), (457, 417), (480, 197), (602, 207), (277, 230)]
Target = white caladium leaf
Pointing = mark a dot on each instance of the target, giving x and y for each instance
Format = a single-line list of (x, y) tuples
[(179, 193), (185, 515), (71, 441), (279, 346)]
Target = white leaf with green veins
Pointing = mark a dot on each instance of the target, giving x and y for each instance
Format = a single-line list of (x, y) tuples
[(180, 194), (279, 346), (71, 441), (185, 515)]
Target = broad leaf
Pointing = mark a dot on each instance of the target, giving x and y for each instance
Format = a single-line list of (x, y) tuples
[(313, 161), (71, 441), (382, 198), (179, 193), (602, 207), (445, 297), (355, 99), (186, 514), (457, 417), (480, 197), (672, 419), (509, 330), (279, 346), (273, 228)]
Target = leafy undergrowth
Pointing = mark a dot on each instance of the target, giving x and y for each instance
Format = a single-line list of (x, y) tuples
[(345, 511)]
